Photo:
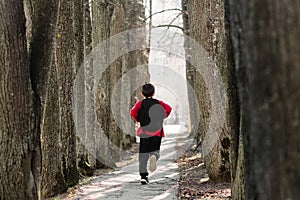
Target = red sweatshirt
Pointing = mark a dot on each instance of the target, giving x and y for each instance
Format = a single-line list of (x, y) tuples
[(135, 110)]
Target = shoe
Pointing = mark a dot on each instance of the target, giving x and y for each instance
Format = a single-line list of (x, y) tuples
[(152, 166), (144, 181)]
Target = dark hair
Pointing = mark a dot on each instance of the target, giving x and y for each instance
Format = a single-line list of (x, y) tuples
[(148, 90)]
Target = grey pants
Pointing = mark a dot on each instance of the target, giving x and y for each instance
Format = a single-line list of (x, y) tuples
[(148, 146)]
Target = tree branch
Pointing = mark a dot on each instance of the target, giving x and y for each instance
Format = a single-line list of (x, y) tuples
[(169, 26), (166, 10), (173, 20)]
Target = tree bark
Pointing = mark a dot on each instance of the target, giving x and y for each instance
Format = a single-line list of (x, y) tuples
[(116, 26), (237, 161), (89, 87), (101, 19), (66, 68), (19, 143), (110, 18), (190, 71), (44, 79), (265, 37), (134, 21), (53, 181), (207, 26)]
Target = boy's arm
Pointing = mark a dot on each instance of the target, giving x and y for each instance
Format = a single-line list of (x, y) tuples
[(167, 108), (135, 110)]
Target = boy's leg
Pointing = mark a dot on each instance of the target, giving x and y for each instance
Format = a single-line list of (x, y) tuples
[(144, 156), (143, 159), (155, 143)]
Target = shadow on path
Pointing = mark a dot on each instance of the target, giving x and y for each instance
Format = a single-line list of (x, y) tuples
[(124, 183)]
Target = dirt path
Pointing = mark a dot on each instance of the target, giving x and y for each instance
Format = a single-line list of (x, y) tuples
[(188, 181), (124, 184)]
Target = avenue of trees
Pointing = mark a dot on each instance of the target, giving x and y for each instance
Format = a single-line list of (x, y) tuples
[(255, 46), (43, 43)]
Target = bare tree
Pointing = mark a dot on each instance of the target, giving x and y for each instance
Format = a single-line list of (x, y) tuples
[(265, 39), (65, 57), (205, 22), (19, 144), (37, 116), (44, 79)]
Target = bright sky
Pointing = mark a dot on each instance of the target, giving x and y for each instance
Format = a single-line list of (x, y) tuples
[(167, 71)]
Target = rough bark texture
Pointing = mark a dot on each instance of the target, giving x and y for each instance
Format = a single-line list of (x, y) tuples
[(134, 19), (116, 26), (190, 71), (44, 79), (65, 58), (237, 161), (101, 18), (19, 143), (59, 38), (206, 24), (53, 181), (89, 98), (266, 42), (28, 15), (110, 19)]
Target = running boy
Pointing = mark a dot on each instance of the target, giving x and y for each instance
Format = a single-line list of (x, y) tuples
[(150, 113)]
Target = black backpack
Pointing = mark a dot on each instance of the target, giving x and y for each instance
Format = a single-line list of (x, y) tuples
[(151, 115)]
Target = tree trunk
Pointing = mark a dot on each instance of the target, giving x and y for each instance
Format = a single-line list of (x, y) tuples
[(19, 144), (53, 181), (237, 162), (135, 23), (110, 19), (65, 57), (101, 19), (265, 36), (44, 79), (207, 26), (190, 71), (84, 104), (89, 87), (116, 26)]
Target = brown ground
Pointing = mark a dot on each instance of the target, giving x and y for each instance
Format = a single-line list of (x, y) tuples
[(194, 182)]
